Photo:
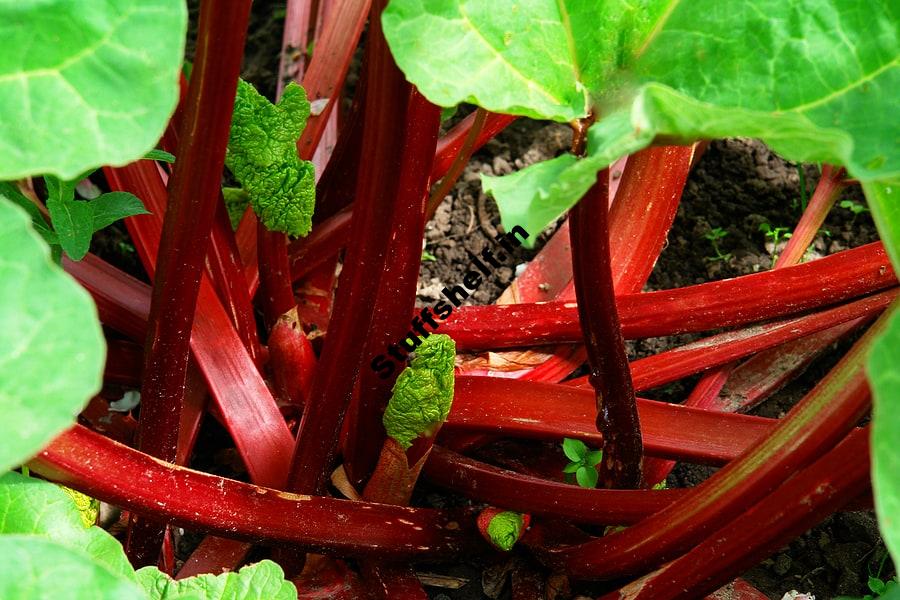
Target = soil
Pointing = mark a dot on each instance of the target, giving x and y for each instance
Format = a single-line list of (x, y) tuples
[(737, 185)]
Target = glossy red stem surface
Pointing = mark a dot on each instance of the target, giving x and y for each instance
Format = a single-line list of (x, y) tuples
[(726, 303), (796, 506), (617, 418), (193, 196), (375, 218), (135, 481), (812, 427), (396, 292)]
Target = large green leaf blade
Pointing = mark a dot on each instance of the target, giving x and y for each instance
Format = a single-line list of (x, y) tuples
[(30, 506), (884, 375), (86, 83), (51, 346), (817, 81), (40, 569), (261, 581), (506, 56)]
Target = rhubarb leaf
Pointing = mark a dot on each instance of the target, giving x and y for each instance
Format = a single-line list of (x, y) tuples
[(262, 156), (815, 80), (38, 508), (884, 374), (261, 581), (86, 83), (423, 392), (35, 567), (46, 320), (537, 58), (505, 529)]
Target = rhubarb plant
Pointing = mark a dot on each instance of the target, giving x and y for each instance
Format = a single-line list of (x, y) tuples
[(669, 72)]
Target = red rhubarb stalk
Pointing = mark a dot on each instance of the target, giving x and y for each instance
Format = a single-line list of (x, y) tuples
[(193, 196), (377, 207), (119, 475), (725, 303), (801, 503), (508, 407), (396, 292), (617, 418), (812, 427)]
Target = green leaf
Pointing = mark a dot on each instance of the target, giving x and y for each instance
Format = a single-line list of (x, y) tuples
[(262, 156), (884, 201), (236, 201), (676, 72), (572, 467), (73, 222), (884, 375), (10, 192), (536, 58), (160, 155), (110, 207), (505, 529), (423, 393), (39, 508), (575, 450), (593, 457), (261, 581), (76, 221), (51, 346), (86, 83), (587, 477), (40, 569)]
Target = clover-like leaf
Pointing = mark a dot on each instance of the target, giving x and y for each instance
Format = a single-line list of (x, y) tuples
[(574, 449), (52, 349), (84, 84), (587, 477)]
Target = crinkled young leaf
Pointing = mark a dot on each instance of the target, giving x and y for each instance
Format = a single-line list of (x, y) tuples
[(51, 346), (884, 374), (505, 529), (37, 568), (261, 581), (86, 83), (423, 392), (236, 202), (30, 506), (262, 156)]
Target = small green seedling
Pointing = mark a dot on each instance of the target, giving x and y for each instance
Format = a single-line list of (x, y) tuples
[(714, 235), (854, 207), (776, 235), (584, 462), (428, 256)]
